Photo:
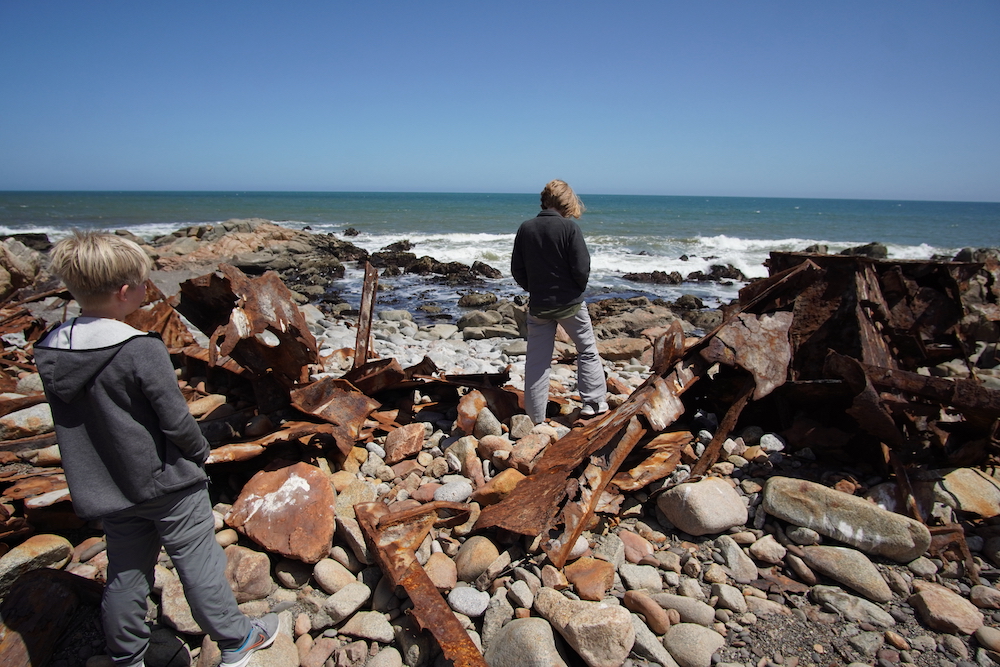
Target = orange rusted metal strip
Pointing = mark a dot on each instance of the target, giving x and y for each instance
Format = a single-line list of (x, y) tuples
[(711, 453), (591, 484), (395, 537), (365, 316), (531, 507)]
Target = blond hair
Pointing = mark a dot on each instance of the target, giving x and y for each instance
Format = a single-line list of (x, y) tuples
[(97, 264), (559, 196)]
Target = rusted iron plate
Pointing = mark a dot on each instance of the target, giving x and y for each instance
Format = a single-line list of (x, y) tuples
[(663, 406), (376, 376), (668, 348), (201, 354), (164, 320), (666, 454), (367, 310), (395, 537), (872, 313), (758, 344), (336, 401), (963, 394), (948, 543), (867, 407), (711, 453), (253, 320), (533, 504), (290, 431), (35, 486), (590, 489)]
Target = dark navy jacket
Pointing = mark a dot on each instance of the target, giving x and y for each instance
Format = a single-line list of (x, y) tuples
[(550, 260)]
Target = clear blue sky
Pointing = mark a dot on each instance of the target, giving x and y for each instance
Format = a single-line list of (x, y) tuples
[(873, 99)]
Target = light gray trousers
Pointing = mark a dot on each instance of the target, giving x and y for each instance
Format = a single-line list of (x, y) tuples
[(590, 382), (184, 524)]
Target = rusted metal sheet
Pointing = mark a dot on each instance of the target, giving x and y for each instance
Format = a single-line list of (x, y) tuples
[(873, 316), (158, 315), (758, 344), (395, 537), (589, 491), (668, 348), (338, 402), (367, 311), (290, 432), (201, 354), (253, 320), (666, 454), (376, 375), (711, 453), (531, 507)]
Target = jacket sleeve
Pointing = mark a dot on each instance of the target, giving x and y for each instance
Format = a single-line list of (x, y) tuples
[(156, 376), (517, 265), (579, 257)]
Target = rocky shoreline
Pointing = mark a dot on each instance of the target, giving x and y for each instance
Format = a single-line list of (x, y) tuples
[(784, 553)]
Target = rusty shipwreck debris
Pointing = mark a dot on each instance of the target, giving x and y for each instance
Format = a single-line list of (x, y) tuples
[(846, 347), (822, 328), (395, 537)]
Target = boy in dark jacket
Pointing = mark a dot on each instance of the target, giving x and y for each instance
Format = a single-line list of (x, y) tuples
[(133, 454)]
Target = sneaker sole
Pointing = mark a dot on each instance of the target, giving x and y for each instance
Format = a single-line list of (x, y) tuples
[(243, 661)]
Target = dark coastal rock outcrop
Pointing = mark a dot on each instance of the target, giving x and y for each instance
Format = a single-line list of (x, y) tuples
[(717, 273), (870, 250), (656, 277)]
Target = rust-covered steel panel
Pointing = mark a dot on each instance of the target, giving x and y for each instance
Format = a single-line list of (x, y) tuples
[(756, 343), (367, 312), (253, 320), (531, 508), (376, 375), (590, 486), (336, 401), (289, 432), (711, 453), (395, 537), (158, 315)]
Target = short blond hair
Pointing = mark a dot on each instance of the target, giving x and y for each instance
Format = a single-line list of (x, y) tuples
[(96, 264), (559, 196)]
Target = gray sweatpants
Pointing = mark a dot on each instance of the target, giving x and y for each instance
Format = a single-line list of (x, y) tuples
[(184, 524), (590, 382)]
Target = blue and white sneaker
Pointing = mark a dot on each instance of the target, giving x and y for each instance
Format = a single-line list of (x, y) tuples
[(263, 630)]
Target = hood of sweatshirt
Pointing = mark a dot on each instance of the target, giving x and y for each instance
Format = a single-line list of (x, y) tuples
[(73, 353)]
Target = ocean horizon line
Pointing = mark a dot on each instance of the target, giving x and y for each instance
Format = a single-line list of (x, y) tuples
[(470, 193)]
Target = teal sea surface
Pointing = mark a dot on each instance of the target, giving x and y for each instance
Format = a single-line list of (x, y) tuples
[(625, 233)]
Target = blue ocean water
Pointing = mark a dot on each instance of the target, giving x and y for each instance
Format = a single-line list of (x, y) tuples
[(625, 233)]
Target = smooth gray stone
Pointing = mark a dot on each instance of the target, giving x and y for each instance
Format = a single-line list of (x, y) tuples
[(851, 607), (851, 568), (692, 645), (846, 518), (691, 610), (524, 642), (648, 646), (741, 565), (469, 601)]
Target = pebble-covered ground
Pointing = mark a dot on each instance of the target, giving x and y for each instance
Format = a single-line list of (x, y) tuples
[(667, 575)]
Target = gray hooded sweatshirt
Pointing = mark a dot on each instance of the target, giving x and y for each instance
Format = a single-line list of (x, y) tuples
[(124, 430)]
